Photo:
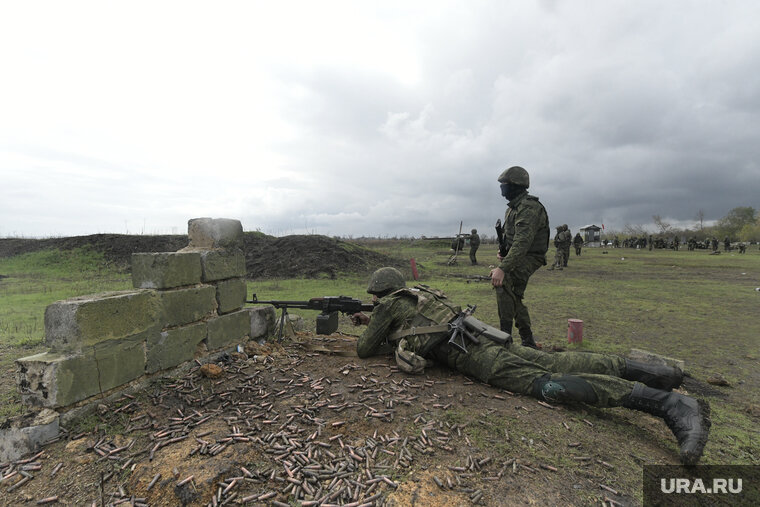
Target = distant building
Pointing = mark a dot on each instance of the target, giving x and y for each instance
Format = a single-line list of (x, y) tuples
[(592, 235)]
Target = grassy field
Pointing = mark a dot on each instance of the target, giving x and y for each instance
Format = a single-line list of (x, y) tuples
[(691, 305)]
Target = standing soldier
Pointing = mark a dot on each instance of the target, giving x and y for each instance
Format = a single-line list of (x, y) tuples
[(474, 244), (526, 237), (566, 241), (714, 244), (726, 244), (651, 243), (558, 260), (578, 243), (676, 242)]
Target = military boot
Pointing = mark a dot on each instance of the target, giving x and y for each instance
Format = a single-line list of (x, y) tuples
[(687, 418), (659, 376), (527, 339)]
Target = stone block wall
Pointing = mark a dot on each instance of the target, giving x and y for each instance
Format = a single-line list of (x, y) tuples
[(184, 304)]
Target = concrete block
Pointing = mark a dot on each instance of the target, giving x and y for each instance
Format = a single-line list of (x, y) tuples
[(228, 329), (79, 322), (52, 379), (165, 270), (174, 346), (215, 233), (651, 357), (186, 305), (24, 434), (222, 264), (263, 321), (230, 294)]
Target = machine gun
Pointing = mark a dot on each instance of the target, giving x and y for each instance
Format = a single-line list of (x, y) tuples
[(503, 247), (460, 335), (328, 306), (464, 325)]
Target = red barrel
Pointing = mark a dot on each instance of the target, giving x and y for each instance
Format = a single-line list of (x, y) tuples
[(574, 330)]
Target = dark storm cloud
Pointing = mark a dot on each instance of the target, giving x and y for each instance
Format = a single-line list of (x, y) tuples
[(397, 119)]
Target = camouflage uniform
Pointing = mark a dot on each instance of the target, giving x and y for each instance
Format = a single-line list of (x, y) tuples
[(526, 231), (419, 319), (474, 244), (578, 243), (567, 240), (559, 261), (514, 367)]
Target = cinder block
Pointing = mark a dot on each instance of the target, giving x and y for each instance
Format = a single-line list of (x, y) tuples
[(24, 434), (215, 233), (174, 346), (228, 329), (230, 294), (263, 321), (165, 270), (186, 305), (54, 380), (75, 323), (222, 264)]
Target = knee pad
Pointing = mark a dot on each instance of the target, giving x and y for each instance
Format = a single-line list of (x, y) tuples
[(563, 389)]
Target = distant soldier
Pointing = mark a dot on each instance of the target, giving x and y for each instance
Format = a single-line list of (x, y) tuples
[(578, 243), (726, 244), (676, 242), (474, 244), (567, 240), (615, 242), (742, 248), (559, 262), (651, 243), (714, 244)]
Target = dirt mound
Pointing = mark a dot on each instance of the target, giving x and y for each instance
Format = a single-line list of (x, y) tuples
[(309, 256)]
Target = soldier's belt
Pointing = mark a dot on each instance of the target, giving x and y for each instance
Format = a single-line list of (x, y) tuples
[(415, 330)]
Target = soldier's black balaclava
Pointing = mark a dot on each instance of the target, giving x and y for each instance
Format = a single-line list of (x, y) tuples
[(510, 190)]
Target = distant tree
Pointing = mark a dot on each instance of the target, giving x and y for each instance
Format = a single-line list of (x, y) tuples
[(634, 230), (750, 232), (661, 224), (701, 218), (737, 218)]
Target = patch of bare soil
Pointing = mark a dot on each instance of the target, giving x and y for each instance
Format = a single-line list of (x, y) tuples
[(308, 256), (289, 425)]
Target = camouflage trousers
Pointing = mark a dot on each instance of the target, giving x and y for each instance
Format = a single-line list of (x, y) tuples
[(559, 259), (515, 367), (509, 297), (473, 250)]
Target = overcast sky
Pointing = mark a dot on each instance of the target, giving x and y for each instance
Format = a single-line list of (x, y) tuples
[(373, 118)]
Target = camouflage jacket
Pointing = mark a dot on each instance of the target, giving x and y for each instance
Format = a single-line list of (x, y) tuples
[(405, 308), (474, 240), (526, 231)]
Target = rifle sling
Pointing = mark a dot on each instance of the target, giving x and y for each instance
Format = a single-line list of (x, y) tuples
[(402, 333)]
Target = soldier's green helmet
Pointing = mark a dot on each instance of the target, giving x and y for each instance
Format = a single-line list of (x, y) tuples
[(385, 280), (564, 227), (474, 231), (515, 175)]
